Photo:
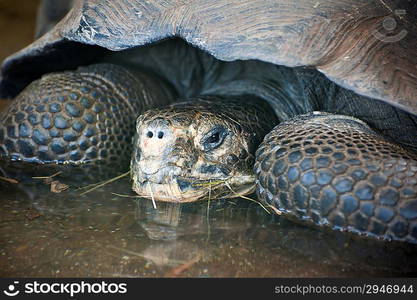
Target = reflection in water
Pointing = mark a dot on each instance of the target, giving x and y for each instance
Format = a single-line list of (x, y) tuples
[(104, 233), (172, 253)]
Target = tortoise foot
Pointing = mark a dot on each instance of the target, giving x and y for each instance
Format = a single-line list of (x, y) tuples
[(333, 170)]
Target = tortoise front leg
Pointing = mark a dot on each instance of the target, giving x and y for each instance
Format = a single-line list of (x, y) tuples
[(333, 170), (80, 116)]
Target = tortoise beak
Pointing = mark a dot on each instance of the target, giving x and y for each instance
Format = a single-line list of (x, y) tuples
[(175, 191)]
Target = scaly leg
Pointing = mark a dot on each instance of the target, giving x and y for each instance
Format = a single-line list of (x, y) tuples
[(333, 170)]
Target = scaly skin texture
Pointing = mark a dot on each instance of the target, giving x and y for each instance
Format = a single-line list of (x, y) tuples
[(335, 171), (81, 116), (326, 169), (199, 149)]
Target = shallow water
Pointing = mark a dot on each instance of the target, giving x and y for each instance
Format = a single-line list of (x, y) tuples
[(106, 233), (46, 234)]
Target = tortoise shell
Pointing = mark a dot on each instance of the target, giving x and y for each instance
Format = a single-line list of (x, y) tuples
[(366, 46)]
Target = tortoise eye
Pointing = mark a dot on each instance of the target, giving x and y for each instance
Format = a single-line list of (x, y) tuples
[(214, 138)]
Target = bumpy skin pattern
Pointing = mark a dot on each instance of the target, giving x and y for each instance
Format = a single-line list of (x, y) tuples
[(333, 170), (81, 116), (201, 148)]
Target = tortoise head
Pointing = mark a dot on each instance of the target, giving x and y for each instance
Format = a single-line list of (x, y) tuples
[(198, 149)]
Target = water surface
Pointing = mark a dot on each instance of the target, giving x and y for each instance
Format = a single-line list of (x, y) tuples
[(110, 233)]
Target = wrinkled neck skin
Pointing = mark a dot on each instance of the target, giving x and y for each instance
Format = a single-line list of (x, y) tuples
[(176, 168), (203, 148), (288, 91), (193, 72)]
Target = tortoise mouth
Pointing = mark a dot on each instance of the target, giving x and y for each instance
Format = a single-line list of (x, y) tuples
[(182, 189), (167, 192)]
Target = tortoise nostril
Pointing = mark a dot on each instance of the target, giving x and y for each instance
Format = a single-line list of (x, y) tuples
[(160, 135), (149, 134)]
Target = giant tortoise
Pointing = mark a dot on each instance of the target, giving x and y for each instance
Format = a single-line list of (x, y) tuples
[(312, 104)]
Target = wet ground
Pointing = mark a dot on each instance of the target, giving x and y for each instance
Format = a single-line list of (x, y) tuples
[(108, 232)]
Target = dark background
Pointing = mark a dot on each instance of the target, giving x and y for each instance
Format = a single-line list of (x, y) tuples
[(17, 27)]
